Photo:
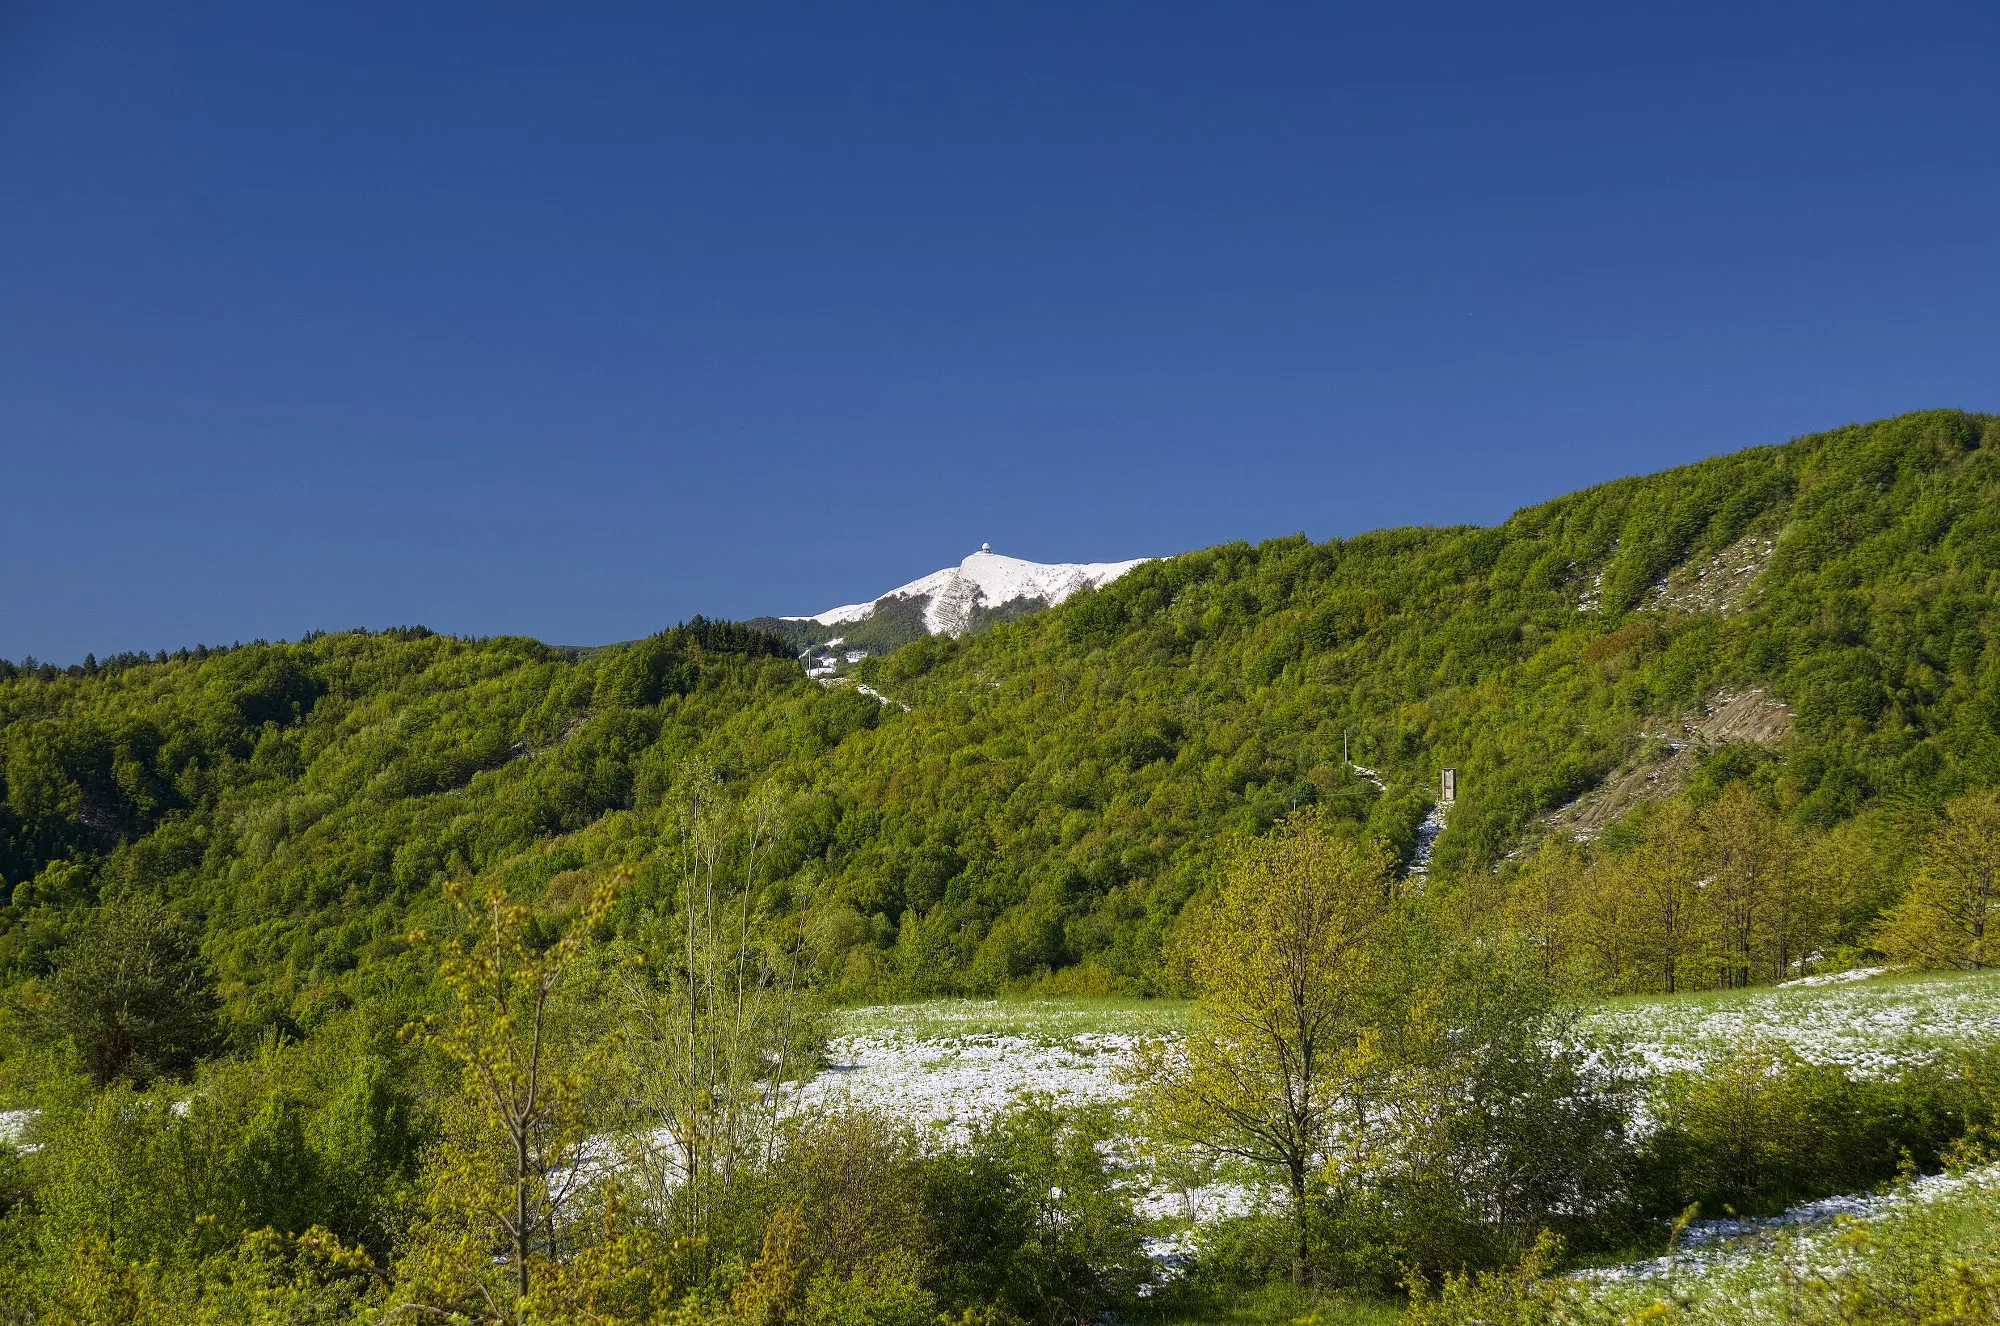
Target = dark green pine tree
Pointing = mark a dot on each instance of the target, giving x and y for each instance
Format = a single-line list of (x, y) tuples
[(133, 994)]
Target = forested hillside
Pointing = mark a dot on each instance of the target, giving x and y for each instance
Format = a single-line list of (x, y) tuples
[(1036, 802)]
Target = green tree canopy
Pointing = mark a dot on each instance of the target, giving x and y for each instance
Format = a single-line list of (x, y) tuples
[(133, 994)]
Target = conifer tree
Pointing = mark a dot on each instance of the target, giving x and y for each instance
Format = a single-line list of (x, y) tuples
[(133, 994), (1830, 875), (1606, 926)]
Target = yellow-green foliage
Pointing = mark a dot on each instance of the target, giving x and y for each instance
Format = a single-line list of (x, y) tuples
[(1283, 1041), (1688, 897), (1058, 786), (1730, 894), (1950, 917), (1924, 1263)]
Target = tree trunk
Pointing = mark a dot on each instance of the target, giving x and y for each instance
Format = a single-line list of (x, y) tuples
[(1298, 1176), (521, 1213), (1979, 906)]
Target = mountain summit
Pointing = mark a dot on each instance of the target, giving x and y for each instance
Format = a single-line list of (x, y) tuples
[(986, 587), (985, 580)]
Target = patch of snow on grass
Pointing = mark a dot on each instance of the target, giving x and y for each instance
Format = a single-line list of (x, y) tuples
[(14, 1127), (1871, 1029), (1836, 977), (1712, 1249), (949, 1067), (952, 1086), (952, 1065)]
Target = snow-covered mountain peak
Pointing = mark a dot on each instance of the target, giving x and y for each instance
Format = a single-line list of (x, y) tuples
[(986, 579)]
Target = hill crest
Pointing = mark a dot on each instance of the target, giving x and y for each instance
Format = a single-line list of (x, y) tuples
[(986, 587)]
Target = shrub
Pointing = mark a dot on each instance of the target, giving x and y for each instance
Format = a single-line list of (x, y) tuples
[(1764, 1129)]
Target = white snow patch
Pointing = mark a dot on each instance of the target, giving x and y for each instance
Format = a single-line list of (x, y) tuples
[(953, 1086), (949, 1085), (1837, 977), (985, 579), (14, 1127), (1709, 1246), (878, 697), (1427, 834), (1870, 1030)]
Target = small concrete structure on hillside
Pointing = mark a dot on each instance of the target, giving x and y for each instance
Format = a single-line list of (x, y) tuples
[(1449, 792)]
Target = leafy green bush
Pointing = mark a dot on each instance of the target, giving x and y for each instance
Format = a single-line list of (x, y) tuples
[(1763, 1129), (290, 1138), (1031, 1215)]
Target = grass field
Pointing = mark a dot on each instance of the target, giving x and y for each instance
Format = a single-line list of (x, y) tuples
[(1742, 1280), (947, 1062), (1281, 1305), (1053, 1020), (946, 1065), (1870, 1027)]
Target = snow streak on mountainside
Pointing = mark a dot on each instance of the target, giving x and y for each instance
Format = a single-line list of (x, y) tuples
[(986, 580)]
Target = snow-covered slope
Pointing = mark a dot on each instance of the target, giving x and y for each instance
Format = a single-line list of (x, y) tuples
[(950, 597)]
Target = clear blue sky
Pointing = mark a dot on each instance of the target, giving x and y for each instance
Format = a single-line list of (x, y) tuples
[(574, 320)]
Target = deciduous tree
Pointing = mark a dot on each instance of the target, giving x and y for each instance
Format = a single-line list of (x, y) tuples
[(1282, 1042), (525, 1095), (1948, 917)]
